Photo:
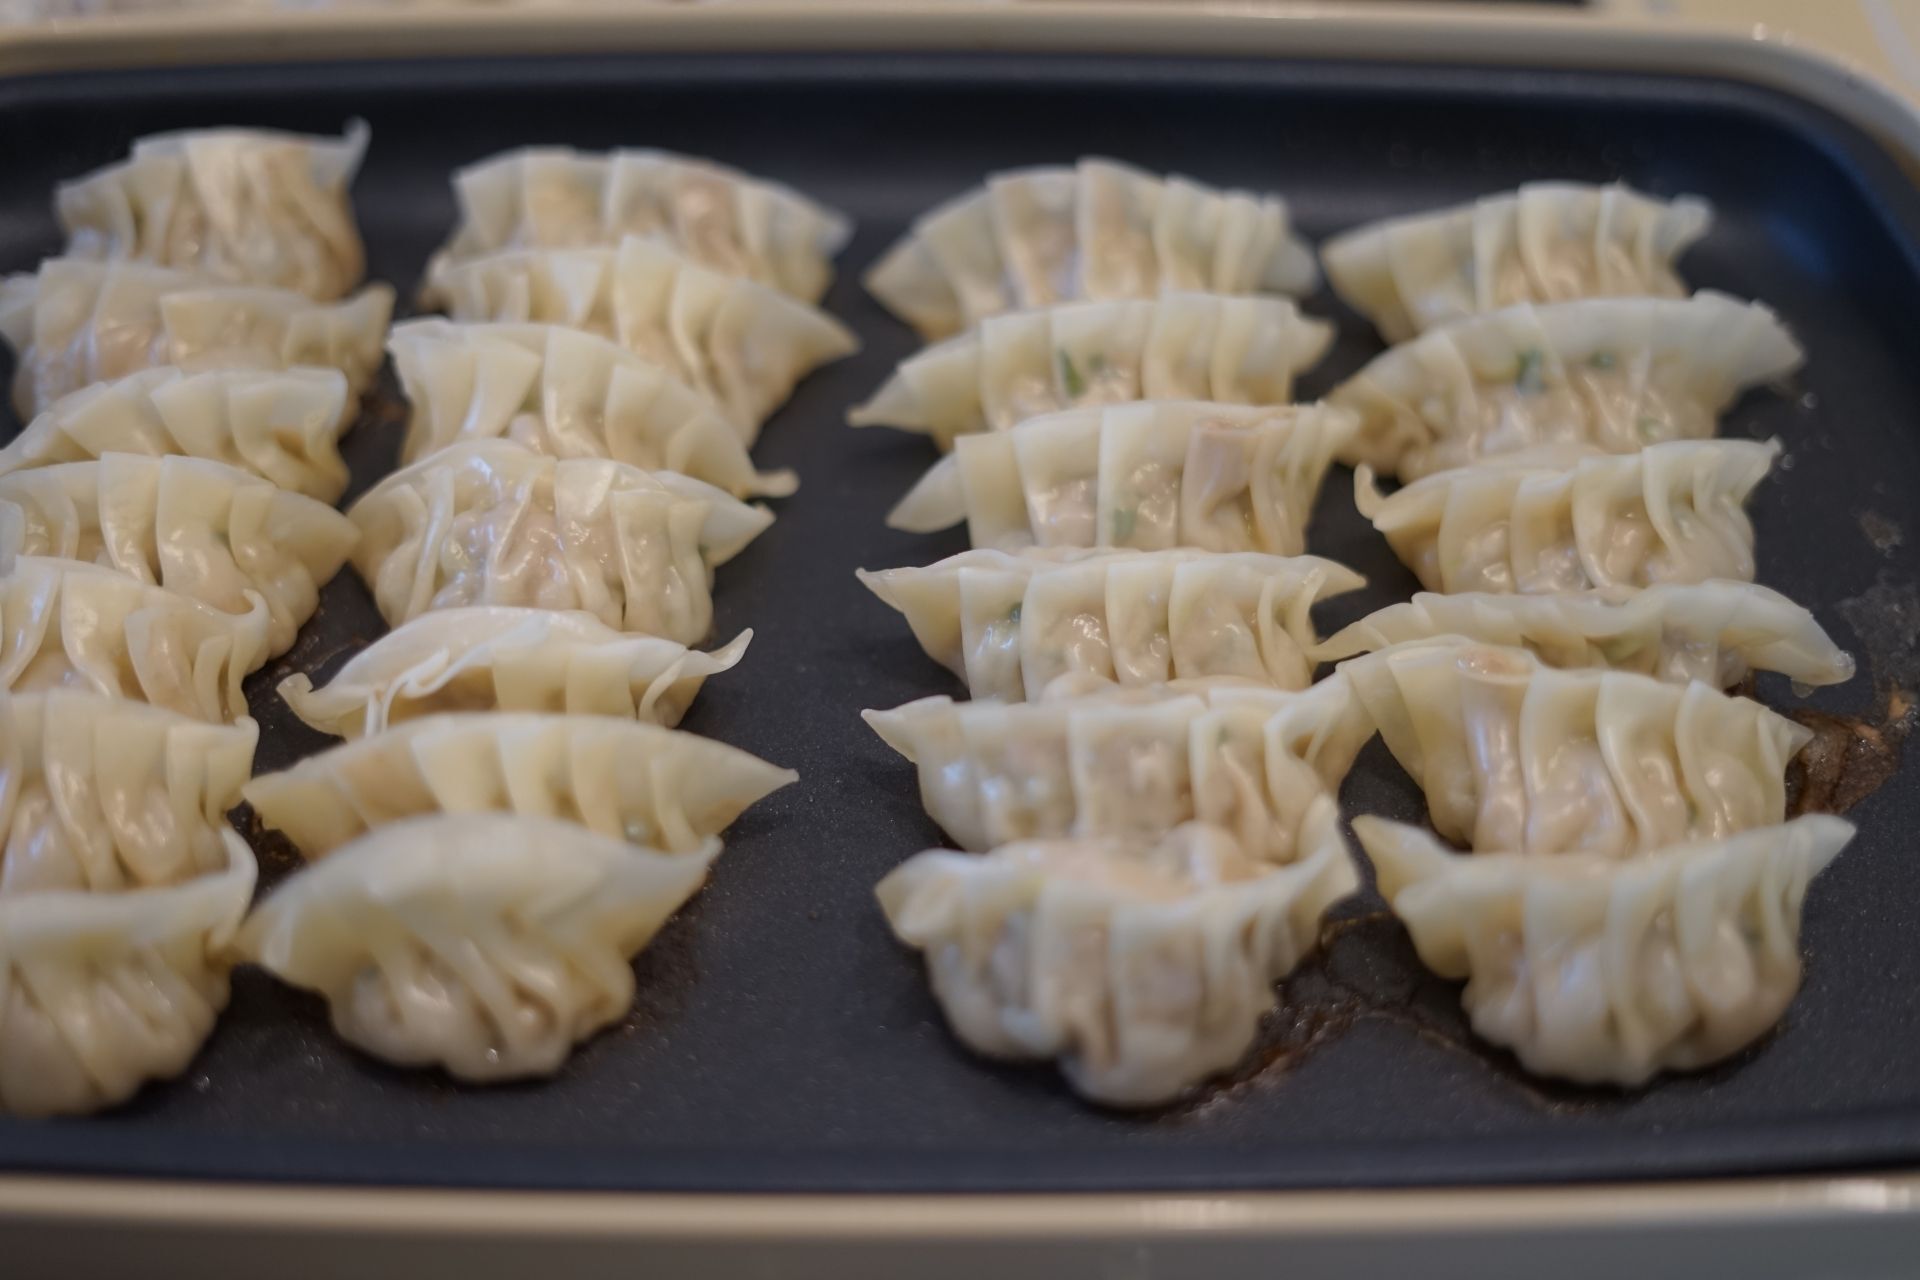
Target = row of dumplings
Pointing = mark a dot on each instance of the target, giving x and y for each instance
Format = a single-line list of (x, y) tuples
[(513, 814), (1145, 779), (185, 369), (1631, 899)]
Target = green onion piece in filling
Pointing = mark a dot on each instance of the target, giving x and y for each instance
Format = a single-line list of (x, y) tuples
[(1530, 377), (1070, 380)]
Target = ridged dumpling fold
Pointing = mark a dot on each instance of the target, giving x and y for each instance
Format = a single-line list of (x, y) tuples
[(1714, 631), (1178, 346), (103, 991), (501, 658), (75, 322), (486, 944), (493, 523), (1545, 242), (1614, 373), (1561, 518), (1603, 971), (1143, 967), (1513, 754), (68, 625), (636, 782), (566, 394), (99, 795), (721, 218), (1146, 477), (740, 342), (1096, 230), (1130, 763), (242, 206), (1012, 623), (282, 425), (215, 533)]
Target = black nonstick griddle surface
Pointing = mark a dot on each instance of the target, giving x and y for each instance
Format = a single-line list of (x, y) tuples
[(781, 1040)]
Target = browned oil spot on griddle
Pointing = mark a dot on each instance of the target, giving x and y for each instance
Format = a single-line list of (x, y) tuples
[(1849, 758), (277, 857), (1852, 756), (1364, 971), (382, 406), (1883, 533)]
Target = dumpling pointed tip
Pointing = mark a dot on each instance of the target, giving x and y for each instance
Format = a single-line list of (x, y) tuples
[(1401, 855)]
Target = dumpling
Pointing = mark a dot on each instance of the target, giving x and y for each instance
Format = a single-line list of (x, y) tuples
[(725, 220), (507, 659), (1134, 764), (209, 531), (1546, 242), (565, 394), (1147, 477), (1143, 968), (76, 322), (636, 782), (1714, 631), (742, 343), (492, 523), (283, 426), (103, 991), (1615, 373), (1178, 346), (487, 944), (1608, 972), (1010, 624), (1559, 520), (67, 625), (99, 794), (1100, 230), (242, 206), (1513, 754)]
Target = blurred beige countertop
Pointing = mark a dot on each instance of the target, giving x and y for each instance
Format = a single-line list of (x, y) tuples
[(1882, 37)]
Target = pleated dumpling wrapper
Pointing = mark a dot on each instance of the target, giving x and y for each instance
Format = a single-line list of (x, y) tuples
[(1098, 230), (502, 658), (1142, 967), (725, 220), (282, 425), (100, 795), (1513, 754), (214, 533), (636, 782), (1618, 374), (1178, 346), (68, 625), (1562, 518), (1546, 242), (1130, 763), (74, 323), (565, 394), (1147, 477), (102, 991), (740, 342), (486, 944), (493, 523), (1604, 971), (241, 206), (1716, 631), (1012, 623)]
